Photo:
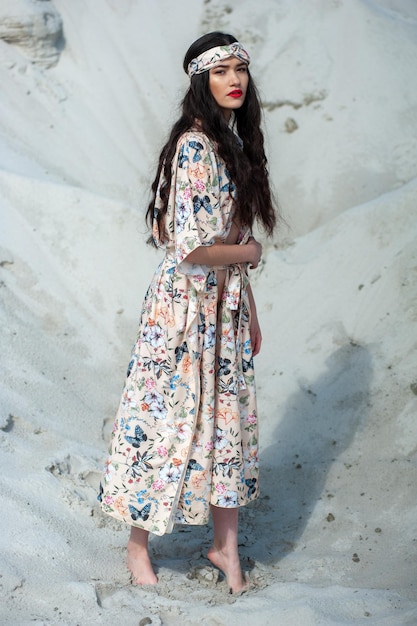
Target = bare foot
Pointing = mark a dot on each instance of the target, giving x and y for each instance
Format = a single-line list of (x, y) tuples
[(139, 564), (230, 566)]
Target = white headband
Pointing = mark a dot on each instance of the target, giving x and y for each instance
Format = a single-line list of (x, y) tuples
[(210, 58)]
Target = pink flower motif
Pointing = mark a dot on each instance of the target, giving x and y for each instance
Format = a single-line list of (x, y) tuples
[(158, 485), (109, 499), (199, 185), (252, 418), (209, 446), (150, 384), (162, 451), (186, 193), (201, 278), (221, 488)]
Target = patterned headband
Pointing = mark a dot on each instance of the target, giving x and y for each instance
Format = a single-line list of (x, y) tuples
[(210, 58)]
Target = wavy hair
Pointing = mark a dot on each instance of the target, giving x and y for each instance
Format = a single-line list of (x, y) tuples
[(247, 166)]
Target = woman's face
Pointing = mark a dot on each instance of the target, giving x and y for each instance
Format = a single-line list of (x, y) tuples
[(228, 83)]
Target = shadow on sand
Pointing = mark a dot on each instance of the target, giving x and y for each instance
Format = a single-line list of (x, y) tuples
[(318, 423)]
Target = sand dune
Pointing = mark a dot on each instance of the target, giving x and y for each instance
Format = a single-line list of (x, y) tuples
[(84, 107)]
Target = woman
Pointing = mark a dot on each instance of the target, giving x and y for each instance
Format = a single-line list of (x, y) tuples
[(185, 437)]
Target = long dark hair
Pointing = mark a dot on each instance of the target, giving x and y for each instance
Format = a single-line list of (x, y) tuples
[(247, 167)]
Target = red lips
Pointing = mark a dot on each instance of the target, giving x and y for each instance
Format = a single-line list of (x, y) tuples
[(237, 93)]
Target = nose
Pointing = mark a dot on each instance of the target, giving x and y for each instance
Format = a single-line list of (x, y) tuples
[(235, 78)]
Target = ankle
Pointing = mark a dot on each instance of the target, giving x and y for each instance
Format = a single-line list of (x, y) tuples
[(224, 550), (135, 546), (138, 538)]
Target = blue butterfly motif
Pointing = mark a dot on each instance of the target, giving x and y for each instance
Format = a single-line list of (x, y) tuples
[(224, 366), (135, 514), (138, 438), (182, 156), (244, 313), (192, 465), (247, 364), (202, 325), (229, 387), (130, 367), (211, 279), (202, 203), (177, 296), (228, 187), (247, 348), (179, 351), (197, 147), (251, 484)]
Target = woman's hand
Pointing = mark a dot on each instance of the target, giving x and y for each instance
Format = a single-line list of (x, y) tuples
[(254, 328), (255, 334), (255, 252)]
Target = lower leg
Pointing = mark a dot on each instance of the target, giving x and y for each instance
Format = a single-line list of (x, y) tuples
[(137, 560), (224, 552)]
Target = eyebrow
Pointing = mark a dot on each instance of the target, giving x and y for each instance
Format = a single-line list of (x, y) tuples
[(226, 65)]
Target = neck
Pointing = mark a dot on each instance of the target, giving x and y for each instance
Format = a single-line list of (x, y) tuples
[(227, 115)]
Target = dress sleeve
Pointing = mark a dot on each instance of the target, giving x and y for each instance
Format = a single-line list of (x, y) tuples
[(198, 217)]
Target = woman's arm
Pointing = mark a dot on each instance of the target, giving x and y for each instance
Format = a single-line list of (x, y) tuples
[(255, 329), (227, 254)]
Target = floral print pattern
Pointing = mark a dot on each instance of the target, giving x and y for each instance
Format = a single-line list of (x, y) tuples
[(185, 434), (210, 58)]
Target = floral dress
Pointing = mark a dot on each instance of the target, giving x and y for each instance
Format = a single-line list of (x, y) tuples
[(185, 435)]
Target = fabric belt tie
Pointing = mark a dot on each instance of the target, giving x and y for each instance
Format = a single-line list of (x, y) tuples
[(236, 280)]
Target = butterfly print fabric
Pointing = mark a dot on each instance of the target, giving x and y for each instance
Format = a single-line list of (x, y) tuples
[(185, 434)]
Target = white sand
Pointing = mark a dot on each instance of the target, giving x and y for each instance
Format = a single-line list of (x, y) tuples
[(333, 538)]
